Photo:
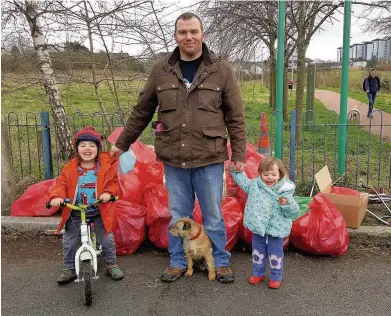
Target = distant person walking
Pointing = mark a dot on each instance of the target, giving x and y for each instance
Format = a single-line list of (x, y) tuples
[(371, 86)]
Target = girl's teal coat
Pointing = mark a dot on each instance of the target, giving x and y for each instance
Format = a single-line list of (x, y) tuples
[(263, 214)]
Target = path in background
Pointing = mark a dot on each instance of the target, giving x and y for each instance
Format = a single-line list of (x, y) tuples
[(331, 101)]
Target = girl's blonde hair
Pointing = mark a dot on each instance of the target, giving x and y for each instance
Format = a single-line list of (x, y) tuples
[(267, 164)]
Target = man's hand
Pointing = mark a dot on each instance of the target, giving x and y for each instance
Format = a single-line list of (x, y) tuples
[(237, 166), (115, 152), (105, 197), (56, 202), (367, 91)]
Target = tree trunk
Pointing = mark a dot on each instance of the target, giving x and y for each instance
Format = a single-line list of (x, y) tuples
[(272, 80), (7, 174), (285, 98), (94, 77), (62, 131), (301, 49)]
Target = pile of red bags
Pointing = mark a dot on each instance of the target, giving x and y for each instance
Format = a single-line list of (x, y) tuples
[(143, 200)]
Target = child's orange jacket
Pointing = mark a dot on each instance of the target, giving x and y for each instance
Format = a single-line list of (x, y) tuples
[(107, 181)]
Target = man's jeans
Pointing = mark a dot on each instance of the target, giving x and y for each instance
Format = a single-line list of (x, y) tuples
[(207, 183), (371, 99)]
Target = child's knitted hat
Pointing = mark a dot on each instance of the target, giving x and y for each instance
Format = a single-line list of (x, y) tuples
[(87, 133)]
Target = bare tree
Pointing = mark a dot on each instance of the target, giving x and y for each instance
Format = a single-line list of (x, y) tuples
[(237, 28), (90, 18), (32, 12), (307, 17), (378, 17)]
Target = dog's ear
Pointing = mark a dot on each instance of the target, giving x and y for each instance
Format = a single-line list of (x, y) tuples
[(186, 226)]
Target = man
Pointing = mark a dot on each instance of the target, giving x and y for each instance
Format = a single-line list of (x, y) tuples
[(371, 86), (198, 100)]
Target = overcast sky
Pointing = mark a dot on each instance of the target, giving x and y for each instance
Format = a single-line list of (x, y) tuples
[(324, 44)]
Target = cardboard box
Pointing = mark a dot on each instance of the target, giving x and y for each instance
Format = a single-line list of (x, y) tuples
[(353, 208)]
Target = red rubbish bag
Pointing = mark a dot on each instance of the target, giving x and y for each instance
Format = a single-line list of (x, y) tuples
[(33, 201), (147, 168), (149, 173), (158, 215), (143, 153), (232, 215), (345, 191), (321, 231), (130, 188), (128, 226)]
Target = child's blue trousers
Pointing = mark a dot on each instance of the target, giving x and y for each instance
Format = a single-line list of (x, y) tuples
[(271, 248)]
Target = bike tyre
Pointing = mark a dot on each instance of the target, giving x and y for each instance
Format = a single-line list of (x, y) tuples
[(86, 268)]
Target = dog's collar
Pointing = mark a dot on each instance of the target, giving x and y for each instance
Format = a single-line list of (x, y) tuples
[(198, 234)]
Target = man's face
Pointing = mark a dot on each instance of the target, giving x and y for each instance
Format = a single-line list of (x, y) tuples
[(373, 73), (189, 38)]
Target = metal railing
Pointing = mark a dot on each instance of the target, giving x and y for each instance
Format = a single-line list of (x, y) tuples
[(368, 155)]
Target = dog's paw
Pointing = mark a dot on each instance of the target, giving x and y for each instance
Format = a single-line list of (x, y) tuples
[(212, 276), (189, 273)]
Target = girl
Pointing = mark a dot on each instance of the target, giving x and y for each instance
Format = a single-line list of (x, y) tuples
[(269, 208), (91, 174)]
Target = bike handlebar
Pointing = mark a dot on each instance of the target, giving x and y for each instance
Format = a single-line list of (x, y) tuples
[(113, 198)]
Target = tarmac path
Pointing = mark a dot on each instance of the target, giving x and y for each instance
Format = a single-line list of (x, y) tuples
[(357, 283)]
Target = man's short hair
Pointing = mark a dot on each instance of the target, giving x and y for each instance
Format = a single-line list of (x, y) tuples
[(188, 16), (373, 69)]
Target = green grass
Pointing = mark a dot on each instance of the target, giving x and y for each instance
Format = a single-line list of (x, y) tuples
[(366, 154), (382, 102), (75, 97)]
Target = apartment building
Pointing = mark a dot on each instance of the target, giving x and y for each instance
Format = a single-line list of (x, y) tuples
[(379, 48)]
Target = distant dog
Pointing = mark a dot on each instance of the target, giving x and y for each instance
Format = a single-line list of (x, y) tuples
[(354, 114), (196, 244)]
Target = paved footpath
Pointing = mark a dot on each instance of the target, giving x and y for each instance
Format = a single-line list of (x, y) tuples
[(331, 101)]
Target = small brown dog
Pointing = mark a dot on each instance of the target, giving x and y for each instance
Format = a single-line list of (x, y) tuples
[(196, 244)]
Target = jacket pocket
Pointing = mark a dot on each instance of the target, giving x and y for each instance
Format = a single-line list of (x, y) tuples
[(163, 146), (167, 96), (209, 97), (215, 142)]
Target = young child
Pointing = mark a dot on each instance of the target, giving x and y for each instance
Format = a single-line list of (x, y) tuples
[(88, 176), (269, 208)]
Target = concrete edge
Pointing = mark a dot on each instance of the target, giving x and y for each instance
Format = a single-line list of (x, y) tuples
[(371, 235), (365, 235), (28, 225)]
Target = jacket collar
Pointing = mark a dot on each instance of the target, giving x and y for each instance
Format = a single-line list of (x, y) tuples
[(208, 56)]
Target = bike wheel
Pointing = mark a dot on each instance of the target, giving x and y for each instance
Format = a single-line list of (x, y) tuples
[(86, 270)]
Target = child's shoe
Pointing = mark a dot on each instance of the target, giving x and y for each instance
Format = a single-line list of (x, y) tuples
[(274, 284), (256, 279), (114, 272), (67, 276)]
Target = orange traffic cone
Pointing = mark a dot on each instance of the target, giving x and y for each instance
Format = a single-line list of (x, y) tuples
[(263, 140)]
